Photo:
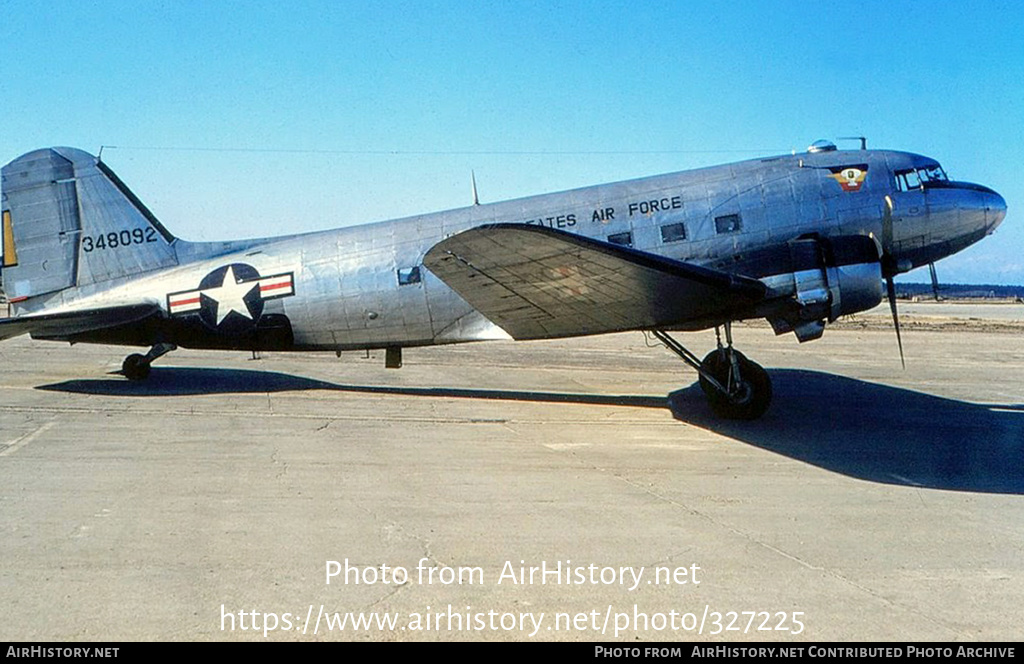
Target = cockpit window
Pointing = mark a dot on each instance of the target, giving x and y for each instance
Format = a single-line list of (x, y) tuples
[(933, 173), (914, 178), (907, 180)]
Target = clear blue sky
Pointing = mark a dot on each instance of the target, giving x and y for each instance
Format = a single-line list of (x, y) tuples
[(406, 98)]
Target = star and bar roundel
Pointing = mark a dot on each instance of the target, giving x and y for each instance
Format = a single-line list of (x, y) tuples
[(230, 299)]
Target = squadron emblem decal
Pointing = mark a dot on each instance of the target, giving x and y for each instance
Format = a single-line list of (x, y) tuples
[(850, 178), (231, 298)]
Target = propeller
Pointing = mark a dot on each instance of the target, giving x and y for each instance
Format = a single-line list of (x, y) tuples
[(889, 271), (890, 287), (935, 282)]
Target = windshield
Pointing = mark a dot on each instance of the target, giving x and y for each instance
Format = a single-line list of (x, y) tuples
[(933, 173), (913, 178)]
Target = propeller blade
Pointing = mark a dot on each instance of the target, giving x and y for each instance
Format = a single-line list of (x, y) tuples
[(935, 281), (890, 286), (888, 261)]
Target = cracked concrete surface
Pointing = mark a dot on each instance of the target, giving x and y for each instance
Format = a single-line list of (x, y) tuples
[(882, 504)]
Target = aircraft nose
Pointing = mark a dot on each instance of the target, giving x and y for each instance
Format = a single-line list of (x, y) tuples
[(981, 207), (995, 211)]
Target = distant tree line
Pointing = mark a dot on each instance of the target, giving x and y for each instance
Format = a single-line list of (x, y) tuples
[(959, 291)]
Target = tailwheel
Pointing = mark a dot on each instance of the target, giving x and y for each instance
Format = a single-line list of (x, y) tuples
[(747, 387), (135, 367)]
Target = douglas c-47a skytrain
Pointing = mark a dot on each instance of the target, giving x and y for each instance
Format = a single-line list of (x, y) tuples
[(797, 239)]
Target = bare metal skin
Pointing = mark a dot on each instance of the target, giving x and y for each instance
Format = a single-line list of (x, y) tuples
[(798, 239)]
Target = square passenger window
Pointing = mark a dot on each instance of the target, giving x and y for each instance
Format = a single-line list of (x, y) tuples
[(729, 223), (625, 239), (408, 275), (673, 232)]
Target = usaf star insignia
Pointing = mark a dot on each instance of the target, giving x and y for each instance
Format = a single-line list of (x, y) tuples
[(231, 297)]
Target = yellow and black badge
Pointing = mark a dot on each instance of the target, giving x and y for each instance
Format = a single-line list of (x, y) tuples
[(850, 178)]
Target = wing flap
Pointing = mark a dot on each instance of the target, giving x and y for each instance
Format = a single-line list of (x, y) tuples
[(68, 323), (539, 283)]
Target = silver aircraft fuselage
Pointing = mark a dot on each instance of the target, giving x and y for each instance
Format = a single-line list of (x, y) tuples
[(366, 287)]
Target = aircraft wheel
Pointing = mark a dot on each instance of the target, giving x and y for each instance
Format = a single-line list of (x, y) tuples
[(716, 363), (135, 367), (749, 399)]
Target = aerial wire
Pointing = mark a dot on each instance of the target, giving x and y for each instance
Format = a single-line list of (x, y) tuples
[(170, 148)]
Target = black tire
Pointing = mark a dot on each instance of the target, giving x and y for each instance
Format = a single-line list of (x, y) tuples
[(749, 400), (135, 367)]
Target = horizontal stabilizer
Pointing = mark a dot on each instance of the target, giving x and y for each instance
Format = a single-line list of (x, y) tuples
[(538, 283), (68, 323)]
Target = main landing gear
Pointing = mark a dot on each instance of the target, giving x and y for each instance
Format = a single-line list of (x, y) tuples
[(136, 367), (735, 387)]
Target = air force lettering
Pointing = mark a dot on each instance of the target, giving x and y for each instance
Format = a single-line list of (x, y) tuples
[(230, 299)]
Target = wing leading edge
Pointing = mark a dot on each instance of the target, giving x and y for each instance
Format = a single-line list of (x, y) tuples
[(539, 283)]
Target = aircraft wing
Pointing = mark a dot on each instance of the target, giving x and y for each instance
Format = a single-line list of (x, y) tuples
[(538, 283), (69, 323)]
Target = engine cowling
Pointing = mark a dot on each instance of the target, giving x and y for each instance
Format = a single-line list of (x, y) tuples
[(828, 278)]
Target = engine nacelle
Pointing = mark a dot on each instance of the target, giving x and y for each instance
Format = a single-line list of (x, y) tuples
[(828, 278)]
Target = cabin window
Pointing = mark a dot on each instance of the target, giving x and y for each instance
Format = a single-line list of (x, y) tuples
[(408, 275), (625, 239), (729, 223), (673, 232)]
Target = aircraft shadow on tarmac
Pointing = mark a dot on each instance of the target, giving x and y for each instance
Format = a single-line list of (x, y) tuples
[(859, 429), (880, 433)]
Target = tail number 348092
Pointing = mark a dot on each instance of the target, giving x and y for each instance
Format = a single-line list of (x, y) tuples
[(115, 239)]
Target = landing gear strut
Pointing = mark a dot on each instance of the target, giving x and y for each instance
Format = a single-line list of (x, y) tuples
[(735, 387), (136, 367)]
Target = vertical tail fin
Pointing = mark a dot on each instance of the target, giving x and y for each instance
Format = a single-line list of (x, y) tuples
[(69, 221)]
